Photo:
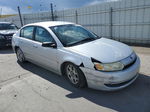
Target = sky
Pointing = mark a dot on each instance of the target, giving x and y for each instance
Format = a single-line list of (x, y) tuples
[(30, 6)]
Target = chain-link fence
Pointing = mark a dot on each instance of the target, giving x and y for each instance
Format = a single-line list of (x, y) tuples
[(123, 20)]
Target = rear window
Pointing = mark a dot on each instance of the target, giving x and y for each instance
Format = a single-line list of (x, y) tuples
[(27, 32)]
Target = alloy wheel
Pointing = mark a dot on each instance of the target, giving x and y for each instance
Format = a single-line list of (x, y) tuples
[(72, 74)]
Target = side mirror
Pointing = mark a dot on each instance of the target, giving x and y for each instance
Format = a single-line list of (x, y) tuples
[(49, 44)]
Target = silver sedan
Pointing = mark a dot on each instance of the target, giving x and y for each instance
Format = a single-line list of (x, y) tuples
[(83, 57)]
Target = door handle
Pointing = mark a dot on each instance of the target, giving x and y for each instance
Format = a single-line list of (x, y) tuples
[(35, 46)]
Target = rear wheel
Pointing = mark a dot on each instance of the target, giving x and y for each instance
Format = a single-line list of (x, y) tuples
[(20, 55), (75, 75)]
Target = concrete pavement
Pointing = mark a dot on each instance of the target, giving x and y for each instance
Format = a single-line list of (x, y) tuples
[(29, 88)]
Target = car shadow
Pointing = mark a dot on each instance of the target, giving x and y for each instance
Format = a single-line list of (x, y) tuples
[(6, 50), (134, 98)]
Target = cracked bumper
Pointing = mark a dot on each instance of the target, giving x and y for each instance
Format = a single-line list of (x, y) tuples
[(111, 81)]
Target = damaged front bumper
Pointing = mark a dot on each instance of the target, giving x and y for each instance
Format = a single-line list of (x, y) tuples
[(111, 81)]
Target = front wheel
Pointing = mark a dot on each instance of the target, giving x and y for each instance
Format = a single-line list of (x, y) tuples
[(75, 75), (20, 55)]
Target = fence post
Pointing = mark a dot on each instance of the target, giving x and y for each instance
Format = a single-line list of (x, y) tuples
[(76, 16), (20, 16), (52, 13), (111, 22), (23, 20)]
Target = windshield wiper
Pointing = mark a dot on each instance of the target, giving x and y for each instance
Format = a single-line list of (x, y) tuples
[(82, 41), (87, 39)]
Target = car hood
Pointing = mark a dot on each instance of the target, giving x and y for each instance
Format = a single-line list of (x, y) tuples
[(103, 50), (5, 32)]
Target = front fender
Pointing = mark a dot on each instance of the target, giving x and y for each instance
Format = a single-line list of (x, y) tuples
[(66, 56), (76, 61)]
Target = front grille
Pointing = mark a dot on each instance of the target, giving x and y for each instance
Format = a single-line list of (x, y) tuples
[(127, 66), (8, 37), (120, 84), (129, 61)]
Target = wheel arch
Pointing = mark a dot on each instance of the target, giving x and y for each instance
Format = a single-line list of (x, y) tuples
[(69, 61)]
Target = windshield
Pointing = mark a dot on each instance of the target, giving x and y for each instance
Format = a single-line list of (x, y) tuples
[(70, 35), (4, 26)]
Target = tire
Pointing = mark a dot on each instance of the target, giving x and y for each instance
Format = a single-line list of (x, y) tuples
[(20, 55), (75, 75)]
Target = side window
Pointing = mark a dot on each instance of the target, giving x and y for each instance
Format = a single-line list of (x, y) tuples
[(27, 32), (42, 35)]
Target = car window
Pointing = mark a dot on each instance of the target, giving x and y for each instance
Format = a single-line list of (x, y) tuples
[(27, 32), (42, 35)]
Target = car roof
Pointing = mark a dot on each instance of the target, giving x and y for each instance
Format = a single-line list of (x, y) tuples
[(50, 23)]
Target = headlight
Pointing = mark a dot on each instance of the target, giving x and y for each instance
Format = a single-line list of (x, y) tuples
[(108, 66), (2, 37)]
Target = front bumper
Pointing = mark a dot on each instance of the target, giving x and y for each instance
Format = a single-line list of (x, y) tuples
[(111, 81), (5, 42)]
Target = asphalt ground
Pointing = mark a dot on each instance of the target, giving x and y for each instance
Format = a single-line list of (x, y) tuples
[(29, 88)]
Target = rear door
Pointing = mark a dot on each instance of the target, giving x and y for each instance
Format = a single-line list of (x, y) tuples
[(26, 41)]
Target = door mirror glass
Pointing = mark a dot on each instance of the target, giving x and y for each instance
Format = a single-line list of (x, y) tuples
[(49, 44)]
